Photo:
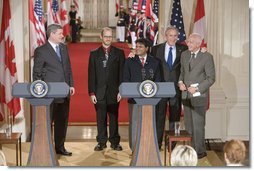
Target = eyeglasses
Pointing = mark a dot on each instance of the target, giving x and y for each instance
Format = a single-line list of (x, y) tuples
[(108, 37)]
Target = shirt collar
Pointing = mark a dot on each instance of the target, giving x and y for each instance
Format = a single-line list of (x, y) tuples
[(53, 44), (168, 46), (196, 52), (104, 49), (143, 57)]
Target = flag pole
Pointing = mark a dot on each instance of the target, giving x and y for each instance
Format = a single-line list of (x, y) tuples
[(29, 66)]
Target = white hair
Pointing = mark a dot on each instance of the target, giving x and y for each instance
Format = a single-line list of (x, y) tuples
[(197, 37), (184, 155)]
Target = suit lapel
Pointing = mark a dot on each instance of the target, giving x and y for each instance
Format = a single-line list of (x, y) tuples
[(178, 56), (197, 59), (112, 55), (53, 52)]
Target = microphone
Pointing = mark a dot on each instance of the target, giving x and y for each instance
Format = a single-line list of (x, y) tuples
[(143, 73), (151, 74)]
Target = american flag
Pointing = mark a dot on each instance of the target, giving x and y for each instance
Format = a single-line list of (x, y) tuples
[(37, 25), (53, 12), (135, 5), (142, 5), (75, 2), (55, 8), (177, 20), (8, 71), (154, 19)]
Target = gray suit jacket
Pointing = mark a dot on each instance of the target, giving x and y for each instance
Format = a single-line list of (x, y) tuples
[(202, 72), (48, 68)]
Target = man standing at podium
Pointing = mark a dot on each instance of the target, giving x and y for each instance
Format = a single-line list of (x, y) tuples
[(197, 76), (137, 69), (105, 71), (52, 64)]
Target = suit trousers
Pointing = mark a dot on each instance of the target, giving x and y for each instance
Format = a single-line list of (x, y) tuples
[(161, 110), (133, 124), (102, 111), (59, 113), (194, 120)]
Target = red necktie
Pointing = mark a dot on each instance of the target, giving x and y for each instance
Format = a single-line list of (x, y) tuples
[(142, 61)]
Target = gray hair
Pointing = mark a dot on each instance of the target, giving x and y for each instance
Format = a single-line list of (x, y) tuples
[(52, 28), (184, 155), (171, 28)]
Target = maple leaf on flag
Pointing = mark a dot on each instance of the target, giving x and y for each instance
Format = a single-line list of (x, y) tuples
[(63, 14)]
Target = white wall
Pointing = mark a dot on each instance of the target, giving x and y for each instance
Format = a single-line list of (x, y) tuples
[(227, 23)]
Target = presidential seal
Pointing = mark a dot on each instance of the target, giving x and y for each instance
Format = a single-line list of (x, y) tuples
[(39, 88), (148, 88)]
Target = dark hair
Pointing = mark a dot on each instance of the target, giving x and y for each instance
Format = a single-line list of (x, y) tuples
[(52, 28), (143, 41)]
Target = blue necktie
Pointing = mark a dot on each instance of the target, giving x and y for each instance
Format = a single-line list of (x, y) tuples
[(170, 58), (58, 53)]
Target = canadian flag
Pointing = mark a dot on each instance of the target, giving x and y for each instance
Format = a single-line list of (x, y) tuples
[(199, 21), (64, 18), (8, 71)]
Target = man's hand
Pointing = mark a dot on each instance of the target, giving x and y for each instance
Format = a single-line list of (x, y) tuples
[(93, 99), (131, 55), (72, 91), (182, 86), (203, 49), (119, 97), (192, 90)]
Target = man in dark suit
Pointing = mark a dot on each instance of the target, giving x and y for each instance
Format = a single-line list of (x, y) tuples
[(171, 73), (137, 69), (197, 76), (104, 77), (52, 64)]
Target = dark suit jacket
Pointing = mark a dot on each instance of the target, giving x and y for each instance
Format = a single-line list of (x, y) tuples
[(202, 73), (105, 81), (48, 68), (158, 51), (133, 70)]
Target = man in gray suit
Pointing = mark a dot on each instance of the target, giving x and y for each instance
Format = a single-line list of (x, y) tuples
[(52, 64), (196, 77)]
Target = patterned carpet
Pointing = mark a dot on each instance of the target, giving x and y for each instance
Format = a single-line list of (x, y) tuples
[(84, 155)]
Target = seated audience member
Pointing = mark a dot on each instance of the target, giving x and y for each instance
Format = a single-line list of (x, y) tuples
[(184, 155), (234, 153), (2, 159)]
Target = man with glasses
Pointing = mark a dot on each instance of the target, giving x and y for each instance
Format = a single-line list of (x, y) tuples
[(104, 77)]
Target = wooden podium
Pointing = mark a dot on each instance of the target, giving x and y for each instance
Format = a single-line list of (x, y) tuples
[(42, 151), (146, 150)]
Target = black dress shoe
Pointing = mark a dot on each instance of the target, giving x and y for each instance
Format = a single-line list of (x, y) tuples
[(100, 147), (64, 152), (117, 147), (201, 155)]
